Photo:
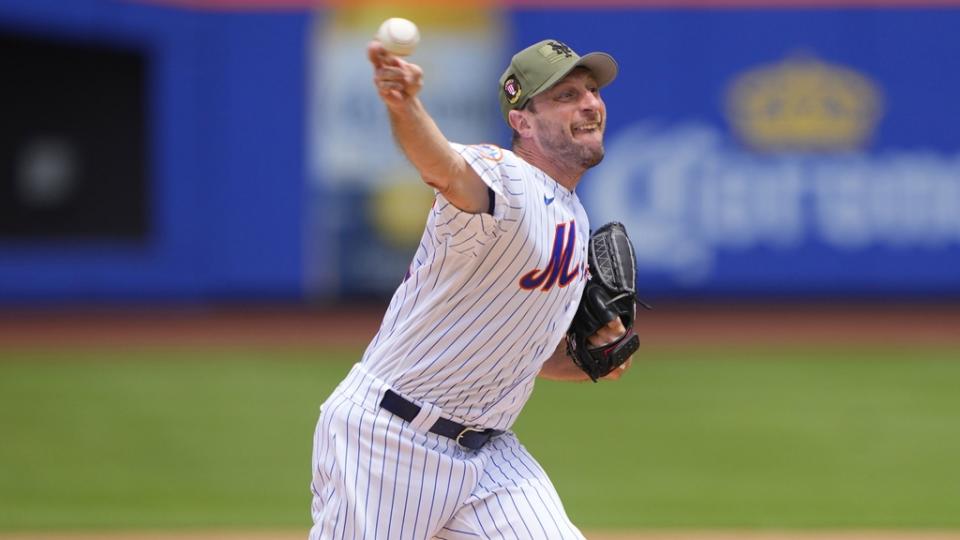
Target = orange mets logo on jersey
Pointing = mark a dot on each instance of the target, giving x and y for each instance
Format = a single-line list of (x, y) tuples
[(558, 270), (489, 152)]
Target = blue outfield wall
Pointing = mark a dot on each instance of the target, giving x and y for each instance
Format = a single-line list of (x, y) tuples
[(749, 152), (226, 96)]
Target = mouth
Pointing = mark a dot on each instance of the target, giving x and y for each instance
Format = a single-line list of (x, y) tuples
[(586, 128)]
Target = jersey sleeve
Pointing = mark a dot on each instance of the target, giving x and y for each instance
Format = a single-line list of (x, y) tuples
[(468, 233)]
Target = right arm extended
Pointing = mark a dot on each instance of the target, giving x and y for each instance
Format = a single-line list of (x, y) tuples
[(398, 82)]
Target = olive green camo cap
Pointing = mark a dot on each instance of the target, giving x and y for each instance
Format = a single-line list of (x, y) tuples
[(541, 65)]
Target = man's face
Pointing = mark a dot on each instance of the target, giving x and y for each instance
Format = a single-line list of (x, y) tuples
[(570, 118)]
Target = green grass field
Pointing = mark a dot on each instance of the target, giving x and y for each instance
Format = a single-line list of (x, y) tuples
[(818, 437)]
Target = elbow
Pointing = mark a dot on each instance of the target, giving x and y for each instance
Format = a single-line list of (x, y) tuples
[(437, 183), (441, 176)]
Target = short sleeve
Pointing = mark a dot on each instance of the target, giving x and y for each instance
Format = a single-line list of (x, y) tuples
[(467, 233)]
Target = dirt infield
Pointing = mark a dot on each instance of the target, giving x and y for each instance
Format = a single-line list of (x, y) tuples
[(879, 324), (674, 535)]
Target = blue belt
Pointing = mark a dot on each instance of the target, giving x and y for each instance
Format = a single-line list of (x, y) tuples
[(467, 437)]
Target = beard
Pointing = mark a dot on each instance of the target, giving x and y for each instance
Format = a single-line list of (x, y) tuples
[(560, 145)]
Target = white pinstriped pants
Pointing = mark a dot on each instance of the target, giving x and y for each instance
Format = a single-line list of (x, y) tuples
[(376, 476)]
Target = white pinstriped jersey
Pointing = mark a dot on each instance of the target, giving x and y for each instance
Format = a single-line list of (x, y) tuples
[(487, 297)]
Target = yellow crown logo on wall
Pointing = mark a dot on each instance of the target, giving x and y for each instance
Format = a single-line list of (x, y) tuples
[(803, 104)]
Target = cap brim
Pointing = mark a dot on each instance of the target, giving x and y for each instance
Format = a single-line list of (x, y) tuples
[(602, 65)]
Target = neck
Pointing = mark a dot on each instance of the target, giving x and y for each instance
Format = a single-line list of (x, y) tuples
[(564, 174)]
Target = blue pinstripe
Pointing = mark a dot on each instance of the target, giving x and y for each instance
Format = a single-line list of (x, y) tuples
[(461, 337), (529, 471), (383, 466), (510, 495), (498, 481), (406, 498)]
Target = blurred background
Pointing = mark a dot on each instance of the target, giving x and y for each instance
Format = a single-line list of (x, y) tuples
[(203, 214)]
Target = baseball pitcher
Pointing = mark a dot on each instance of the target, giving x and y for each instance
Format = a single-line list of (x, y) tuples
[(415, 443)]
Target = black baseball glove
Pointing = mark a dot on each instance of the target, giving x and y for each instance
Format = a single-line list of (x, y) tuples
[(610, 292)]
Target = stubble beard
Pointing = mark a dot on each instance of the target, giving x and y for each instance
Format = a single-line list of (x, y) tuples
[(562, 148)]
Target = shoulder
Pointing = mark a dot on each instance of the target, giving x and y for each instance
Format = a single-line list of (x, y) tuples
[(496, 166), (509, 165), (492, 154)]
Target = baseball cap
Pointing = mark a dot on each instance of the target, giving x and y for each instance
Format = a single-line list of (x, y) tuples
[(541, 65)]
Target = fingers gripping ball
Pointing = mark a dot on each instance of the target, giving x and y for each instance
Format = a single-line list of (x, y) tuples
[(398, 36), (611, 292)]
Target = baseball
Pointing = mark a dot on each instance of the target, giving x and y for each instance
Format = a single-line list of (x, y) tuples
[(398, 36)]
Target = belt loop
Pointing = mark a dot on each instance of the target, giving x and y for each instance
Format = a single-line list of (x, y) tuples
[(429, 413), (422, 416)]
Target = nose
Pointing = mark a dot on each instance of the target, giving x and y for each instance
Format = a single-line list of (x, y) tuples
[(591, 101)]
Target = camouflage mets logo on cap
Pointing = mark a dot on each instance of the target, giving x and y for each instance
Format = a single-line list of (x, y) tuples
[(511, 87), (554, 51)]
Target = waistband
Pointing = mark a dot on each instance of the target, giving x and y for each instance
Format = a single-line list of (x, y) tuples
[(371, 393)]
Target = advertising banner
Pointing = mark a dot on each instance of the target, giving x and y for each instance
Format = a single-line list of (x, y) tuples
[(779, 151), (757, 152)]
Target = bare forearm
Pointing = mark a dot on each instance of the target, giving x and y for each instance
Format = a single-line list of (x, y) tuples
[(398, 82), (560, 367), (425, 145)]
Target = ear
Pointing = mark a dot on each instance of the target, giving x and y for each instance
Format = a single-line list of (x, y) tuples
[(520, 122)]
